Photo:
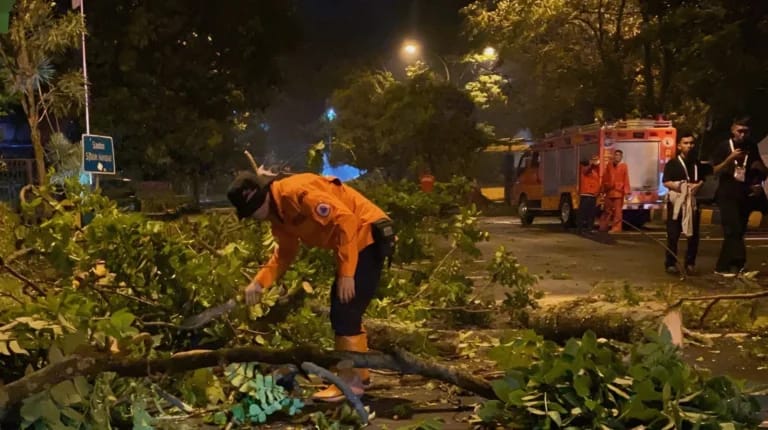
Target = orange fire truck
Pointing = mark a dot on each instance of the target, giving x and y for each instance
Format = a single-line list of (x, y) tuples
[(548, 172)]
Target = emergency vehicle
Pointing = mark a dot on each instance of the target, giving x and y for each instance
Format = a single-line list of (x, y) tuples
[(494, 168), (548, 172)]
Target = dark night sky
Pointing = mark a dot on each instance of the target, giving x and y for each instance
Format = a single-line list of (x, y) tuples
[(340, 35)]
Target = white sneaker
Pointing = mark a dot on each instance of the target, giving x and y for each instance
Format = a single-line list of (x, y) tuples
[(725, 274)]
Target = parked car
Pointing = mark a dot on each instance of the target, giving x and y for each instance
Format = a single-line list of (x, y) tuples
[(121, 190)]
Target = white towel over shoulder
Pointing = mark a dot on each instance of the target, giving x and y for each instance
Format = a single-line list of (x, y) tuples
[(684, 203)]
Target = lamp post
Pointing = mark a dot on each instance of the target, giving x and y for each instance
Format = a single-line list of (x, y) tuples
[(412, 50)]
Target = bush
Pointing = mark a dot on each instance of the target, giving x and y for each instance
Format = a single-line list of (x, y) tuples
[(9, 221)]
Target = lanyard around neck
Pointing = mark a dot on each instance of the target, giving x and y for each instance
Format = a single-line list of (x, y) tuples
[(730, 142), (695, 169)]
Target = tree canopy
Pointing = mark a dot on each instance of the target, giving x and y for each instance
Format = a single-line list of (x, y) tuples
[(39, 38), (699, 61), (175, 81), (404, 127)]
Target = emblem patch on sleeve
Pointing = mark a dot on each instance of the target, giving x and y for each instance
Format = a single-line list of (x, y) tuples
[(323, 209)]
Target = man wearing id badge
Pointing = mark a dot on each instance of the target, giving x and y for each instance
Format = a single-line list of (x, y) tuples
[(738, 164), (683, 176)]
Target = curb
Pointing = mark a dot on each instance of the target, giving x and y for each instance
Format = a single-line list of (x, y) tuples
[(711, 216)]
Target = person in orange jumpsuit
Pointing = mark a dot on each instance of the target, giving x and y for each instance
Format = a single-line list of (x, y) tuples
[(427, 181), (616, 187), (321, 212), (589, 188)]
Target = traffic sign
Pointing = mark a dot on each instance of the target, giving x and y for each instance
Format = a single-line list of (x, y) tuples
[(98, 154)]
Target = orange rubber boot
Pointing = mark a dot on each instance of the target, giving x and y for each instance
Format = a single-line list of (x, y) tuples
[(357, 379)]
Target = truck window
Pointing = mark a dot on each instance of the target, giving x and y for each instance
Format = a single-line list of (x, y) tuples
[(523, 164)]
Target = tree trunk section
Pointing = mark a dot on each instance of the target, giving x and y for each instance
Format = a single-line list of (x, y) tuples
[(37, 146), (609, 320)]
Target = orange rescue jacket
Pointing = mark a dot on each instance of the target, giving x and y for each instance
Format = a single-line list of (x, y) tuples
[(589, 180), (320, 212)]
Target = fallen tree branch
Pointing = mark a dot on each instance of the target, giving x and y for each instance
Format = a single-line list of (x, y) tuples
[(715, 300), (129, 297), (706, 311), (89, 365), (12, 297), (462, 309), (28, 282), (18, 254), (745, 296)]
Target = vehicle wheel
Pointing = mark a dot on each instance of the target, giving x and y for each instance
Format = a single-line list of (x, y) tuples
[(636, 217), (526, 217), (567, 218)]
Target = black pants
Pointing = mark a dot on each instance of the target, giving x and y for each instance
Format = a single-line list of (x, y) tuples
[(587, 209), (674, 230), (734, 215), (346, 318)]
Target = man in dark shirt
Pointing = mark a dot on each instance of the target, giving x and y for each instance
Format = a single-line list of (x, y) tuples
[(738, 164), (683, 174)]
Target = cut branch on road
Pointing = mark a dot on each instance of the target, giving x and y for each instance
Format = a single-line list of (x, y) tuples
[(12, 394)]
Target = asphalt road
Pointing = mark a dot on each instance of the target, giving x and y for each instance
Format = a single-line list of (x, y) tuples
[(569, 264)]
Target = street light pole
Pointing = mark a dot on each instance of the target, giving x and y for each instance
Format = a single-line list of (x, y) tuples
[(445, 67), (85, 72)]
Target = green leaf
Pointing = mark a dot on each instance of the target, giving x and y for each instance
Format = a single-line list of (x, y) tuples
[(220, 418), (65, 393), (71, 341), (30, 410), (141, 418), (254, 410), (122, 320), (238, 413), (4, 348), (555, 416), (82, 386), (581, 383), (73, 415), (55, 355), (48, 410)]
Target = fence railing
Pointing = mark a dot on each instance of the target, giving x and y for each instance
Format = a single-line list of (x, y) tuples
[(15, 174)]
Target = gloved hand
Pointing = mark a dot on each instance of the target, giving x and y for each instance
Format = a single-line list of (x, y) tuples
[(346, 289), (252, 293)]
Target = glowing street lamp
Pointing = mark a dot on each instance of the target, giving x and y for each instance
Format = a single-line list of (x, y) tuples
[(330, 114), (489, 51), (412, 49)]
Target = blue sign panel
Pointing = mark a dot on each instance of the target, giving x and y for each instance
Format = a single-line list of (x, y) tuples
[(98, 154)]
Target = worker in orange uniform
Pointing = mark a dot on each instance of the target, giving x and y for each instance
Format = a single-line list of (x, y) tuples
[(589, 188), (321, 212), (427, 181), (616, 187)]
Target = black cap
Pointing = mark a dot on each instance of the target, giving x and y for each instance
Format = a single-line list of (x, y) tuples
[(246, 195)]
